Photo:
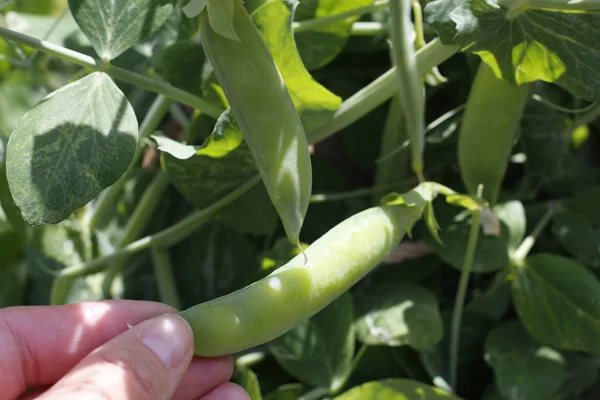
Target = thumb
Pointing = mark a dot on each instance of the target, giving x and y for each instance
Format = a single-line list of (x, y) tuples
[(146, 362)]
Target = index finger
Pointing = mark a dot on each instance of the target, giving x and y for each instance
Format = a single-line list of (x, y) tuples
[(41, 344)]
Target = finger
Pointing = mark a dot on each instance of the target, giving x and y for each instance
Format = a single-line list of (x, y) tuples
[(229, 391), (146, 362), (41, 344), (202, 376)]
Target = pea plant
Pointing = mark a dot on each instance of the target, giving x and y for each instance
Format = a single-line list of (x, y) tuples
[(361, 199)]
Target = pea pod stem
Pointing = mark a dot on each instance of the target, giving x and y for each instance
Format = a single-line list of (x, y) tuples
[(410, 87), (461, 293), (527, 244)]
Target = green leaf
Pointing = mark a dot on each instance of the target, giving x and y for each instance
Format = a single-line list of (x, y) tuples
[(577, 227), (551, 46), (320, 46), (491, 253), (557, 301), (212, 262), (523, 368), (396, 389), (179, 64), (194, 8), (7, 204), (220, 16), (70, 147), (319, 351), (471, 368), (512, 214), (396, 315), (207, 173), (314, 103), (17, 96), (248, 380), (115, 26), (581, 372)]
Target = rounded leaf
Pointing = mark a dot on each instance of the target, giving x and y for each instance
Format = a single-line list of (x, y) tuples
[(70, 147)]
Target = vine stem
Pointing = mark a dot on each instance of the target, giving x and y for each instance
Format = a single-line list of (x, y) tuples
[(380, 90), (410, 88), (164, 238), (313, 24), (526, 245), (461, 293), (155, 114), (142, 81), (368, 28)]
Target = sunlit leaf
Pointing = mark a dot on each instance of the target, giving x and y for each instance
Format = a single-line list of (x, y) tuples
[(70, 147)]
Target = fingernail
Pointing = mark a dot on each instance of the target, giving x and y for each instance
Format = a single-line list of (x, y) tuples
[(170, 338)]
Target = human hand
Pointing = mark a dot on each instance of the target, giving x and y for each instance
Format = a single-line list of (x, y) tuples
[(86, 351)]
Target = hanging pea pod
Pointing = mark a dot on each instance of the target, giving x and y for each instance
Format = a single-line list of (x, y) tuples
[(488, 129), (266, 114)]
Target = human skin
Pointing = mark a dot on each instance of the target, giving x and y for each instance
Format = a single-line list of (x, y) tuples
[(106, 350)]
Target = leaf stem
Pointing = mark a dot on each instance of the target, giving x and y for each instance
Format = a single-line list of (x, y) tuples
[(527, 244), (165, 279), (153, 117), (149, 83), (164, 238), (379, 91), (324, 22), (587, 117), (461, 294)]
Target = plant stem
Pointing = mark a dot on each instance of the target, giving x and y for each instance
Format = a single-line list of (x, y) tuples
[(461, 294), (153, 117), (324, 22), (164, 238), (410, 89), (368, 29), (145, 82), (165, 279), (136, 225), (394, 135), (380, 90), (527, 244)]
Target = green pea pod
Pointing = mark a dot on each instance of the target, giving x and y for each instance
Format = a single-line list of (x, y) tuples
[(266, 114), (488, 129), (275, 304)]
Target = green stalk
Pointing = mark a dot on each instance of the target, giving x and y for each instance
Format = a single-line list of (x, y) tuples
[(324, 22), (165, 279), (379, 91), (394, 135), (136, 225), (585, 118), (526, 245), (145, 82), (155, 114), (411, 91), (164, 238), (461, 294)]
